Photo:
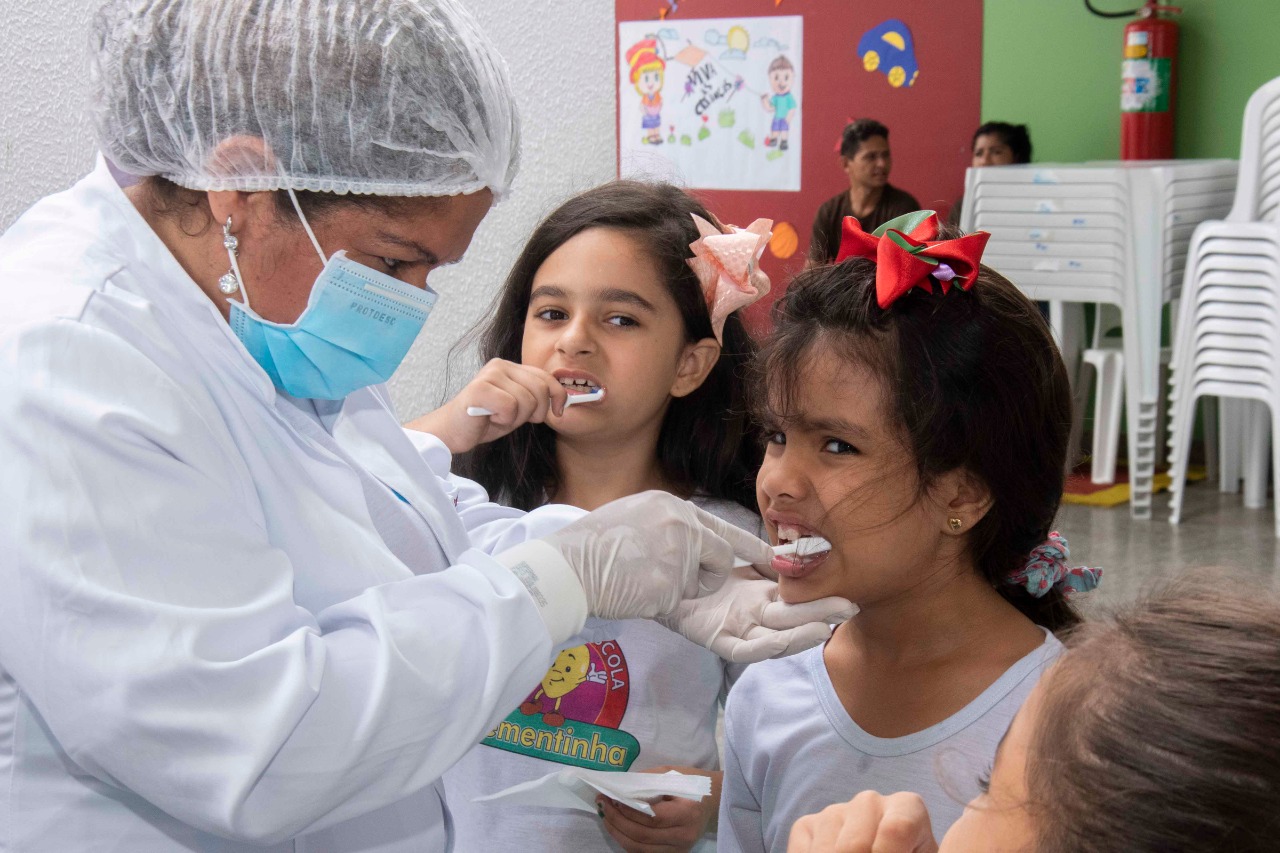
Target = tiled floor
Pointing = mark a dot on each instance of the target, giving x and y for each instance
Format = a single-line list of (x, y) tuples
[(1216, 530)]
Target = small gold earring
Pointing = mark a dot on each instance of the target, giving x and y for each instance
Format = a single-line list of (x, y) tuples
[(956, 524)]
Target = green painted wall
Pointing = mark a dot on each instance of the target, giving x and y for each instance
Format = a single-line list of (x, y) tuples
[(1052, 65)]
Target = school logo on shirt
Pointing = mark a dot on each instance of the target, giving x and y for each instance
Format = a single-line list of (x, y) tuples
[(572, 717)]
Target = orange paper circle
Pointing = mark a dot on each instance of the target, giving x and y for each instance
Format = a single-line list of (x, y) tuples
[(784, 241)]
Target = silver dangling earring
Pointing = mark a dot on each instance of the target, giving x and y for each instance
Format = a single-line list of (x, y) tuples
[(229, 283)]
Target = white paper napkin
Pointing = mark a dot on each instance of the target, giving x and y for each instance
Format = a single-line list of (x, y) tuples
[(576, 788)]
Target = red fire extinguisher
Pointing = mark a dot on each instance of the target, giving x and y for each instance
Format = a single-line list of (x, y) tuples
[(1149, 82)]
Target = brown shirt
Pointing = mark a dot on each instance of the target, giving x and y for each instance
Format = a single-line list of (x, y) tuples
[(828, 225)]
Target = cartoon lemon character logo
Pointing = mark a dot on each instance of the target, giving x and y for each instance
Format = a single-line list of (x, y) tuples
[(574, 715), (566, 675)]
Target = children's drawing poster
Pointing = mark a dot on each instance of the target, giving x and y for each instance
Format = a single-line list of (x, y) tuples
[(712, 103), (915, 65)]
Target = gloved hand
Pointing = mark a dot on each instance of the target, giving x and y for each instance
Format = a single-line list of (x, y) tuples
[(640, 556), (744, 621), (653, 555)]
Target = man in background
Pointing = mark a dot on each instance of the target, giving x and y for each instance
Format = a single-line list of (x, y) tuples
[(866, 161)]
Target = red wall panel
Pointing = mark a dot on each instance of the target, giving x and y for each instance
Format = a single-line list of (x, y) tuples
[(930, 122)]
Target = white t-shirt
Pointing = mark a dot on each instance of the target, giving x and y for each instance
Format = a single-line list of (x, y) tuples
[(791, 749), (635, 696)]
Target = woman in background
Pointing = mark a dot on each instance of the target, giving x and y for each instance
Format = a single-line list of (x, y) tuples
[(996, 143)]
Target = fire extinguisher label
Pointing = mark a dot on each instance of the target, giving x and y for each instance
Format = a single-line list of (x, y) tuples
[(1136, 43), (1144, 86)]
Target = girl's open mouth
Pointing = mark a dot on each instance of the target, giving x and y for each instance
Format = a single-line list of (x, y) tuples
[(577, 381), (810, 552), (579, 386), (796, 567)]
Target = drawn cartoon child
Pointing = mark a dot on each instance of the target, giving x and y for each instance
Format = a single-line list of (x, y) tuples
[(781, 103), (647, 70), (567, 674)]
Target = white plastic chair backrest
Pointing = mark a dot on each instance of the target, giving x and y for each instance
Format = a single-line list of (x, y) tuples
[(1219, 381), (1241, 294), (1232, 287), (1236, 311), (967, 212), (1234, 326), (1231, 358), (1259, 113), (1245, 263)]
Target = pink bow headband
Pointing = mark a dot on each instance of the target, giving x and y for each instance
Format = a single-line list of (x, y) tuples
[(1047, 569), (728, 266)]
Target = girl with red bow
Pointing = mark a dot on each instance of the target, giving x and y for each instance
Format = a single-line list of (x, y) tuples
[(918, 411)]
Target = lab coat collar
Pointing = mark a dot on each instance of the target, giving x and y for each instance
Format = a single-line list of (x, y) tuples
[(360, 426), (167, 285), (359, 430)]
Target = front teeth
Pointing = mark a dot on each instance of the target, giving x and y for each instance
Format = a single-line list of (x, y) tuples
[(583, 384), (789, 534)]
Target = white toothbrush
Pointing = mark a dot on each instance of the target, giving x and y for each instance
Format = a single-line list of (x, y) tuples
[(806, 547), (593, 397)]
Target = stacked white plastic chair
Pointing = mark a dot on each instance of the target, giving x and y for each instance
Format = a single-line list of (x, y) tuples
[(1228, 331), (1104, 232)]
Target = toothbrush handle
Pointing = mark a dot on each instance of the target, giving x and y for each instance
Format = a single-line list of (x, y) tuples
[(478, 412)]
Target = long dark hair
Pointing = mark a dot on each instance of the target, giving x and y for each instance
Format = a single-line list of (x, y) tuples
[(975, 382), (1159, 731), (707, 443)]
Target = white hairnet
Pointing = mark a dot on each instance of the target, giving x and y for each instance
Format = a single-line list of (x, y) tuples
[(388, 97)]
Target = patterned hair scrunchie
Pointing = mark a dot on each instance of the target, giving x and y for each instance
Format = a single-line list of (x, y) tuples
[(1046, 569)]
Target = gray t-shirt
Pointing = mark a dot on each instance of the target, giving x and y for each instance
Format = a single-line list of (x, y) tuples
[(791, 749), (639, 696)]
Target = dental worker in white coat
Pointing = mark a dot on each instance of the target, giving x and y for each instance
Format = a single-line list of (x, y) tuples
[(240, 607)]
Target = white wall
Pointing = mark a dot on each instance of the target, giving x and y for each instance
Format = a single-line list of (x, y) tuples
[(45, 141), (561, 57)]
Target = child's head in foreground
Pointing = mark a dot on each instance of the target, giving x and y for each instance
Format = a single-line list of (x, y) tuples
[(923, 438), (1158, 732)]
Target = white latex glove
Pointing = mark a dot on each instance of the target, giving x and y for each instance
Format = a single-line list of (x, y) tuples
[(638, 557), (744, 621), (655, 556)]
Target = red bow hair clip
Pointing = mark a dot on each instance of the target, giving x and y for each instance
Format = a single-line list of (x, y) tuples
[(907, 255)]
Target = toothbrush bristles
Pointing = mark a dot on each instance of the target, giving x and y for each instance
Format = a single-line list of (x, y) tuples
[(804, 547)]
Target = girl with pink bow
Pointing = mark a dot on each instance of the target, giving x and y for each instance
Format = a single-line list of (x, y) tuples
[(630, 288)]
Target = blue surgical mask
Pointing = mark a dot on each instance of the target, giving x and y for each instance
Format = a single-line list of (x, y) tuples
[(356, 329)]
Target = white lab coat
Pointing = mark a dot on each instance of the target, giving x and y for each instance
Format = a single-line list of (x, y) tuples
[(220, 627)]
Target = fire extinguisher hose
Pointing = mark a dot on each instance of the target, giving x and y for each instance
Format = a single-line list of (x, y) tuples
[(1101, 14)]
